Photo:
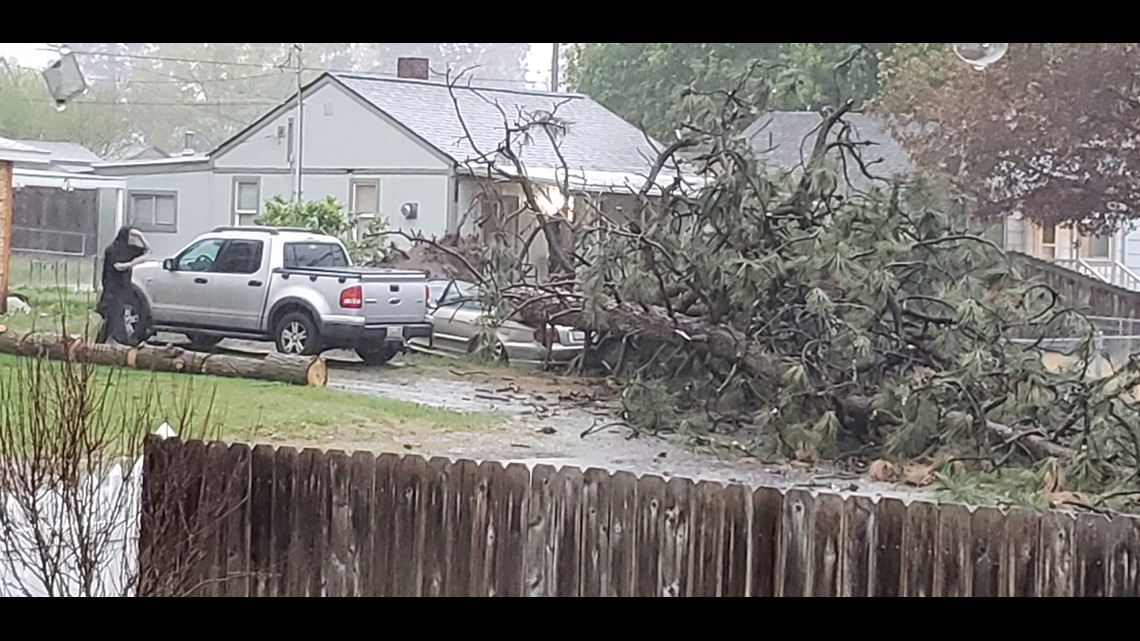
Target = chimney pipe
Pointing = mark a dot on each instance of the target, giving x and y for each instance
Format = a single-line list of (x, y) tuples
[(412, 68), (188, 143)]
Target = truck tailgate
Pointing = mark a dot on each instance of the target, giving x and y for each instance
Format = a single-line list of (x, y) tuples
[(393, 296)]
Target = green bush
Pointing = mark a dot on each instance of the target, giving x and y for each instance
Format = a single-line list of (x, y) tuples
[(369, 246)]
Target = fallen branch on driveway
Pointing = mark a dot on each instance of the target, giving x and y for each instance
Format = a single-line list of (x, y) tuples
[(295, 370)]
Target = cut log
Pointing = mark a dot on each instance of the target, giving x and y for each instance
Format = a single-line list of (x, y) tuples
[(295, 370)]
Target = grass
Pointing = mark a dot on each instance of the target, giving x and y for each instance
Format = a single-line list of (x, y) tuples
[(246, 410)]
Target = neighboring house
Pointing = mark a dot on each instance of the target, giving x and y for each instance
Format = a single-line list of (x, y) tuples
[(784, 140), (58, 201), (139, 151), (396, 148)]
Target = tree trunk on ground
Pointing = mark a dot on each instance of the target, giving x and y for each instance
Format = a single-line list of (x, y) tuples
[(654, 322), (295, 370)]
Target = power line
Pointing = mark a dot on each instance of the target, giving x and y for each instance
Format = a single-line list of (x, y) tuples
[(112, 103), (263, 66)]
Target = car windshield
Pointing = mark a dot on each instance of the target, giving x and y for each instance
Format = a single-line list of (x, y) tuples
[(302, 255), (451, 291)]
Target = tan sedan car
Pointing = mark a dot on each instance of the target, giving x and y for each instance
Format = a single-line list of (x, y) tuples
[(456, 314)]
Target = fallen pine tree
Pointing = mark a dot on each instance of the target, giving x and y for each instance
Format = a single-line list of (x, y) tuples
[(283, 368), (806, 317)]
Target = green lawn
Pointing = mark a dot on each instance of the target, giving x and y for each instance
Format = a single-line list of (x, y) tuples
[(246, 410)]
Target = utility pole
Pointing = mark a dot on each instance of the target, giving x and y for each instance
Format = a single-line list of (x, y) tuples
[(297, 191), (554, 65)]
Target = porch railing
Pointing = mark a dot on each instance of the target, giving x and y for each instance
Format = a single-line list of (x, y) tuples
[(1103, 269)]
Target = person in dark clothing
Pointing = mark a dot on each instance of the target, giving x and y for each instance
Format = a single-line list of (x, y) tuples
[(127, 250)]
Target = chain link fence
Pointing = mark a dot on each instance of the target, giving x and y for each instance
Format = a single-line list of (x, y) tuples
[(48, 271)]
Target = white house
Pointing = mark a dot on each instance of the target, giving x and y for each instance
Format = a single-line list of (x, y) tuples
[(403, 148), (778, 138)]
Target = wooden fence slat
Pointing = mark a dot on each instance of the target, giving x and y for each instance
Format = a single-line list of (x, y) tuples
[(650, 514), (987, 527), (1124, 577), (236, 580), (1056, 568), (286, 574), (483, 530), (513, 489), (674, 558), (313, 518), (623, 534), (706, 547), (734, 558), (538, 557), (595, 532), (827, 545), (858, 546), (952, 562), (567, 534), (261, 521), (890, 517), (1091, 547), (920, 538), (154, 514), (407, 536), (1021, 538), (767, 514), (338, 558), (436, 549), (363, 478), (383, 525), (796, 542), (460, 581), (215, 541)]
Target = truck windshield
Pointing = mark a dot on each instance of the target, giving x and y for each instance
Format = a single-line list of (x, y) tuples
[(302, 255)]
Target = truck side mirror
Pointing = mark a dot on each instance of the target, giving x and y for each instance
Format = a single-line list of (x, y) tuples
[(168, 264)]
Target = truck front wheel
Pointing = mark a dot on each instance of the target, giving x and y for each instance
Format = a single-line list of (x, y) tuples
[(296, 333), (376, 354)]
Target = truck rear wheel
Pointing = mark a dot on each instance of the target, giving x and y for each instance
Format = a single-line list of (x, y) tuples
[(296, 333), (375, 355)]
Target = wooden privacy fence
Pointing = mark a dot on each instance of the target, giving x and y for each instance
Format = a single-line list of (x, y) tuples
[(309, 523)]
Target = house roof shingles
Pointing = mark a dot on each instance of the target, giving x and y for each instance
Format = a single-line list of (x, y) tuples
[(64, 152), (596, 138), (783, 140), (7, 144)]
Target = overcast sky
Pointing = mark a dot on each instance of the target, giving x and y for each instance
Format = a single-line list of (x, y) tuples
[(35, 54)]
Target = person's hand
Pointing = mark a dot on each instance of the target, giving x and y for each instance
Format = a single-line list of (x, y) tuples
[(122, 266)]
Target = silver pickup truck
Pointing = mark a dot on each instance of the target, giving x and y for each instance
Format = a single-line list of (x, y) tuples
[(294, 287)]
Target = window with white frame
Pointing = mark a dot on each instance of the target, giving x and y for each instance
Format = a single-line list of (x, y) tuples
[(247, 200), (153, 211), (365, 203), (1048, 242), (1096, 246)]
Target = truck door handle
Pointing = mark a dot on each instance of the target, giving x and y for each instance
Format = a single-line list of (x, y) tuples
[(200, 281), (254, 283)]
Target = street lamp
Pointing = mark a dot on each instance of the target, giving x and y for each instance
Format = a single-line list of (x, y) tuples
[(980, 55)]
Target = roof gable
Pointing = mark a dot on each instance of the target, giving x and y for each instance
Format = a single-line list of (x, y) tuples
[(596, 138)]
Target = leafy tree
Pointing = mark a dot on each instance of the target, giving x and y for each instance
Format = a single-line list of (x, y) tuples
[(367, 246), (27, 112), (653, 84), (1050, 130)]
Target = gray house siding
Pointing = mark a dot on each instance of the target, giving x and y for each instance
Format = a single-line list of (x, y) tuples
[(345, 142)]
